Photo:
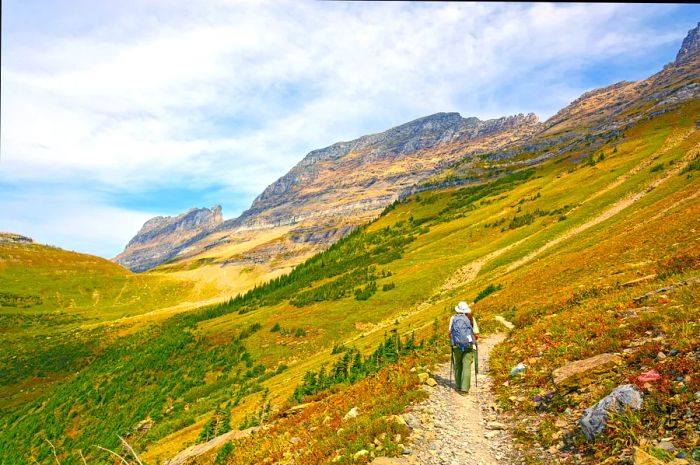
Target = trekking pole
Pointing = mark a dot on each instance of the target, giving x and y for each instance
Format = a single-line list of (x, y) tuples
[(476, 364), (452, 361)]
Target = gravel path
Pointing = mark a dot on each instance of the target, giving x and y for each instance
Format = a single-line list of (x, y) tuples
[(452, 429)]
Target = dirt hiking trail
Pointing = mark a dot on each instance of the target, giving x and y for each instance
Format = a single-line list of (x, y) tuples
[(451, 429)]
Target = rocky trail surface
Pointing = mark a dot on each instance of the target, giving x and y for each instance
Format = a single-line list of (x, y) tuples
[(451, 429)]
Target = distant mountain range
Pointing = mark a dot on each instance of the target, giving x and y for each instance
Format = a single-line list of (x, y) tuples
[(334, 189)]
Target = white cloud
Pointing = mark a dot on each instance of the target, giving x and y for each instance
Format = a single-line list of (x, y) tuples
[(70, 219), (235, 93)]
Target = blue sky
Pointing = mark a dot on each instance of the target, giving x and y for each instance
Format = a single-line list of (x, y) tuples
[(114, 112)]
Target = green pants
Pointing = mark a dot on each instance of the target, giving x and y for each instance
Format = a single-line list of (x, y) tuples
[(462, 361)]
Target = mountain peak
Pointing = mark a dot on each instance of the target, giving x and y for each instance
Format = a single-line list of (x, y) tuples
[(163, 236), (690, 45)]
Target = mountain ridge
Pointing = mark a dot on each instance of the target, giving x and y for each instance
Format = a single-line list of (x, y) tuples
[(162, 237), (333, 189), (325, 189)]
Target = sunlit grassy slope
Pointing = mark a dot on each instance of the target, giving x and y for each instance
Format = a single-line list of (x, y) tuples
[(48, 286), (49, 296), (544, 233)]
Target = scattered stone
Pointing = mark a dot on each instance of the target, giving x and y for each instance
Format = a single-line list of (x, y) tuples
[(642, 458), (661, 355), (300, 407), (649, 376), (295, 440), (634, 282), (490, 434), (423, 377), (517, 369), (665, 445), (431, 382), (668, 289), (144, 425), (398, 419), (595, 418), (629, 313), (360, 453), (583, 372), (494, 425), (387, 461), (352, 413)]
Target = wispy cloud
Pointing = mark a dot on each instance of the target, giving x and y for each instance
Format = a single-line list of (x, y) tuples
[(136, 96)]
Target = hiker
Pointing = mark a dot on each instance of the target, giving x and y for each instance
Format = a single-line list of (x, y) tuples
[(464, 332)]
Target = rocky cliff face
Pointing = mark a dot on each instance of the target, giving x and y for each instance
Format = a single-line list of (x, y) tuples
[(690, 45), (162, 237), (15, 238), (366, 174), (329, 192)]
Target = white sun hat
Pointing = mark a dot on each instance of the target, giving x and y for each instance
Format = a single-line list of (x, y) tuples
[(462, 307)]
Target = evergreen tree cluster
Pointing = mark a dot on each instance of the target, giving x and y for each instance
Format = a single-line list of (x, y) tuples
[(488, 290), (353, 367), (353, 259), (260, 416), (219, 424), (465, 199), (165, 379)]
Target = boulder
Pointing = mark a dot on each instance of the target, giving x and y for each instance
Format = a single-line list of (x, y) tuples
[(352, 413), (642, 458), (517, 369), (187, 455), (494, 425), (387, 461), (665, 445), (398, 419), (595, 418), (299, 407), (360, 453), (581, 373)]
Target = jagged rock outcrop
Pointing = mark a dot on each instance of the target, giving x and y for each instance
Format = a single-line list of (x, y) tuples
[(162, 237), (690, 45), (15, 238)]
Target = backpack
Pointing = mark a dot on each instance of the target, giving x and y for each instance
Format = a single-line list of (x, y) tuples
[(462, 333)]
